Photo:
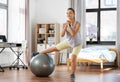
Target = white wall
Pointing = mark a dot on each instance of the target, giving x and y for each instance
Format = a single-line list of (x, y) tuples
[(47, 11), (51, 10)]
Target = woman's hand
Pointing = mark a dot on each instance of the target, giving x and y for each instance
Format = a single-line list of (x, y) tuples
[(72, 31), (64, 28), (69, 23), (65, 25)]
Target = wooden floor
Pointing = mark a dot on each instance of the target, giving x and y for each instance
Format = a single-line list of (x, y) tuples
[(60, 74)]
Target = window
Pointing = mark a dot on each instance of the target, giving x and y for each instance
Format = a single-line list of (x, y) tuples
[(91, 25), (108, 3), (101, 21), (3, 17), (108, 26), (3, 21), (3, 1), (91, 4)]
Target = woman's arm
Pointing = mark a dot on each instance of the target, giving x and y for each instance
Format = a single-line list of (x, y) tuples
[(74, 32), (63, 29)]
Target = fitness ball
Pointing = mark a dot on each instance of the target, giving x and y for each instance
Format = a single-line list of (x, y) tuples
[(42, 65)]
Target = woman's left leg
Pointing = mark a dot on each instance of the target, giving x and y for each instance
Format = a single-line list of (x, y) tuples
[(73, 63), (75, 52)]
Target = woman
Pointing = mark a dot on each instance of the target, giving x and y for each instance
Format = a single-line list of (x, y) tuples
[(71, 28)]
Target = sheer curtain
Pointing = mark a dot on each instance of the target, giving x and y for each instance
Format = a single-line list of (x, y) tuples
[(16, 23), (79, 7), (118, 31), (16, 20)]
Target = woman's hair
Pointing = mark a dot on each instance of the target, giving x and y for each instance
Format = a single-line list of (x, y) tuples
[(71, 10)]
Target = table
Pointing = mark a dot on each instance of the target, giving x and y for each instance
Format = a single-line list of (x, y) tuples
[(10, 45)]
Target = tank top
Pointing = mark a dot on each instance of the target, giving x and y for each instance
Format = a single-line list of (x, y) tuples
[(73, 41)]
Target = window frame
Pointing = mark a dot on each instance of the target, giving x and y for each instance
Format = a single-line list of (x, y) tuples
[(98, 11)]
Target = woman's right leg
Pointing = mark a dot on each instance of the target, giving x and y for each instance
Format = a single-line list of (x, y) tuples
[(62, 45), (52, 49)]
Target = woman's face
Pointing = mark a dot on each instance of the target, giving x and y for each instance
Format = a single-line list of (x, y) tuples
[(70, 14)]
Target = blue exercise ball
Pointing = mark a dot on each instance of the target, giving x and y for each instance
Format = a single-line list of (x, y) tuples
[(42, 65)]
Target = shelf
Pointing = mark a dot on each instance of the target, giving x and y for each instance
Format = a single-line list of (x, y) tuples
[(40, 43), (47, 35), (43, 34), (50, 33)]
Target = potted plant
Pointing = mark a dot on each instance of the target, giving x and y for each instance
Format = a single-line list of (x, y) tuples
[(91, 37), (92, 32)]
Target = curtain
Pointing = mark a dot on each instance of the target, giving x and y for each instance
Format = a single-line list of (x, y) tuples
[(79, 7), (118, 31), (16, 20), (28, 31), (18, 23)]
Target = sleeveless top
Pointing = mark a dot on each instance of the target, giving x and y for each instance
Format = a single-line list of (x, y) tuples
[(73, 41)]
